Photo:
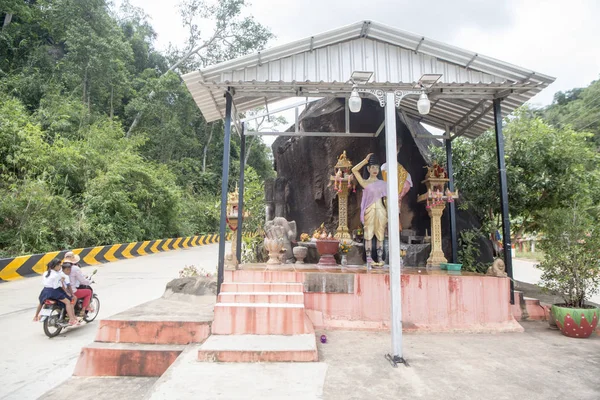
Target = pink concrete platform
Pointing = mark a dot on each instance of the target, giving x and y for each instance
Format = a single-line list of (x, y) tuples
[(159, 321), (432, 300), (259, 319), (527, 308), (125, 359), (261, 297), (152, 332), (259, 348), (262, 285)]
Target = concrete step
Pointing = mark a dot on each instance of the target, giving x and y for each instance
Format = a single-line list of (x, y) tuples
[(126, 359), (261, 287), (152, 332), (259, 319), (91, 387), (261, 297), (259, 348)]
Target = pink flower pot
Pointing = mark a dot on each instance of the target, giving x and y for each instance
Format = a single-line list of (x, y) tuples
[(327, 248)]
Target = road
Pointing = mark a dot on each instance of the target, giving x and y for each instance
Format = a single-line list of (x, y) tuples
[(31, 364), (525, 271)]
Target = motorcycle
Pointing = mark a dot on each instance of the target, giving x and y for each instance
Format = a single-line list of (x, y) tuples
[(54, 314)]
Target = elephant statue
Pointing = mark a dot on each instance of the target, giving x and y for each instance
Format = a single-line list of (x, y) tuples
[(286, 231)]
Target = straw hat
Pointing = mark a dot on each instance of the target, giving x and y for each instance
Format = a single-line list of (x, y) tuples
[(71, 257)]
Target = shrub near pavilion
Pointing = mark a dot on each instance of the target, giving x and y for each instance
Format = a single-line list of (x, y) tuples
[(571, 268)]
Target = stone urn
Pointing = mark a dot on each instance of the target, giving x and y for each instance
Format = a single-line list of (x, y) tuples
[(327, 249), (300, 253), (274, 247)]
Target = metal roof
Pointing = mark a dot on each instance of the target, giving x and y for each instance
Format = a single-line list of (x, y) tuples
[(321, 66)]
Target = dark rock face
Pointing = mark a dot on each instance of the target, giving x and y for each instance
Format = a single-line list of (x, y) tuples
[(303, 191)]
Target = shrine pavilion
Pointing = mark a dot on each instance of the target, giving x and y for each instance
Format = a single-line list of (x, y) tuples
[(460, 92)]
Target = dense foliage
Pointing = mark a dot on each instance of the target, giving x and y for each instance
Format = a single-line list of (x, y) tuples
[(572, 247), (548, 168), (100, 141)]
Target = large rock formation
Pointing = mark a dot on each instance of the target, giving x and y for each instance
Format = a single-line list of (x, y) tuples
[(302, 190)]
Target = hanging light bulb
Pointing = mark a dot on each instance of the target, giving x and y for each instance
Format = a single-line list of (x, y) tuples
[(354, 102), (423, 105)]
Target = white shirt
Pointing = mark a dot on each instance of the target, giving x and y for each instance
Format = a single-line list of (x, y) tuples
[(54, 279), (77, 278)]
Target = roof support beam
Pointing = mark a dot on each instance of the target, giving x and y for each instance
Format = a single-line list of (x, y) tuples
[(474, 121), (470, 112)]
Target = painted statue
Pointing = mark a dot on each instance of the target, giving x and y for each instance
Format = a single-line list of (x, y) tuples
[(404, 182), (373, 213)]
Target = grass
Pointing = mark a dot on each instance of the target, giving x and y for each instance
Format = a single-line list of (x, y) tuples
[(537, 256)]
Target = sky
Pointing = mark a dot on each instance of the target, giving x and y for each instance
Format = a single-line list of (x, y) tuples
[(559, 38)]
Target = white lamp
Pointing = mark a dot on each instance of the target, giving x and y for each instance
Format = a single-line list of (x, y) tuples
[(354, 102), (423, 105)]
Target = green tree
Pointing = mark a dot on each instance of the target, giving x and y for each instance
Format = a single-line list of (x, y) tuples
[(546, 168), (578, 108)]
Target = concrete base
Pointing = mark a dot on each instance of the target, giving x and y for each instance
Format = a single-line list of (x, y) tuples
[(261, 297), (432, 300), (159, 321), (528, 308), (126, 359), (259, 348), (102, 388), (189, 379), (259, 319)]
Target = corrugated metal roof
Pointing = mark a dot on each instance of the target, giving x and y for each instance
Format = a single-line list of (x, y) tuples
[(322, 65)]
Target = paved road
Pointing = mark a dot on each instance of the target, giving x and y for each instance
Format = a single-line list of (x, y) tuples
[(525, 271), (31, 364)]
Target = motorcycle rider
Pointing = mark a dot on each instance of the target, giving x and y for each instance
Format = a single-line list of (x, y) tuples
[(55, 282), (79, 283)]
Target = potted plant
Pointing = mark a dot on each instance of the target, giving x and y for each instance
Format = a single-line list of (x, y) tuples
[(344, 249), (571, 269)]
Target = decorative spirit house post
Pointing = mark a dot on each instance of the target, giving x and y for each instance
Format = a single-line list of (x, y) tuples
[(343, 183)]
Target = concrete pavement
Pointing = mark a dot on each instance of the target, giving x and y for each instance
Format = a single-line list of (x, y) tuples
[(31, 364)]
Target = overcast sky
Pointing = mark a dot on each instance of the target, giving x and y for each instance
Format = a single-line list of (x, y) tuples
[(555, 37)]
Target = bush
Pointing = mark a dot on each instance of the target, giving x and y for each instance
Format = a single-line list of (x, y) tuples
[(571, 266)]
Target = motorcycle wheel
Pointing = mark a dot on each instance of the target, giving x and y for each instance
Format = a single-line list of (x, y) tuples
[(51, 326), (90, 316)]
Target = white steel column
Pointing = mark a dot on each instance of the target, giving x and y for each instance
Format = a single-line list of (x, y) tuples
[(393, 223)]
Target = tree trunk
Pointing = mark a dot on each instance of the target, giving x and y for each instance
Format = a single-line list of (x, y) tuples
[(248, 150), (7, 19), (212, 129), (112, 94)]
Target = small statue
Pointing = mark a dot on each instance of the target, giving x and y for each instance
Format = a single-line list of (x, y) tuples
[(286, 233), (497, 269), (351, 183), (337, 186)]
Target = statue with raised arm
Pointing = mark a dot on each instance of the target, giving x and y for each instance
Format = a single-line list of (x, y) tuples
[(373, 213)]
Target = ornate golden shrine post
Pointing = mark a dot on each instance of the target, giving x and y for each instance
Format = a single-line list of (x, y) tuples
[(436, 197), (343, 181), (231, 260)]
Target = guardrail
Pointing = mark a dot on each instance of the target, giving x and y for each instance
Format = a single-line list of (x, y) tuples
[(20, 267)]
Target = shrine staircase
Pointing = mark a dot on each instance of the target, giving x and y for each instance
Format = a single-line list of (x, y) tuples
[(260, 322)]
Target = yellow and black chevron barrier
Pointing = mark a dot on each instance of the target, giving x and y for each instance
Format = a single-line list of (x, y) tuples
[(20, 267)]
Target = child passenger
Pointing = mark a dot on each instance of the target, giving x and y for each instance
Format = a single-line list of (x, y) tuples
[(56, 287)]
